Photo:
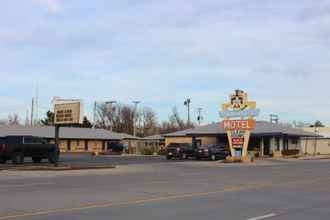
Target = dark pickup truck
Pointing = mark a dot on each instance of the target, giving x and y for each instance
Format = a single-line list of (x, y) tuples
[(212, 151), (180, 151), (15, 148)]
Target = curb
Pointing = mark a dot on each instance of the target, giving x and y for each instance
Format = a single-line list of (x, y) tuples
[(319, 158), (60, 168), (129, 155)]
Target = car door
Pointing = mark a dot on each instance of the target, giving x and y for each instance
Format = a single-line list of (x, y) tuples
[(190, 150), (41, 147), (27, 145), (33, 146)]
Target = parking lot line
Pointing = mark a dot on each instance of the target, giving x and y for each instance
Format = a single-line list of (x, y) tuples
[(26, 185), (271, 215)]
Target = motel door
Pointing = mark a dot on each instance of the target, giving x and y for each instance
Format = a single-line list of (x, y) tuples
[(266, 146)]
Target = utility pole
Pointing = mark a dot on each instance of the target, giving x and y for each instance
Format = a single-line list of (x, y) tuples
[(134, 117), (316, 136), (199, 117), (37, 106), (32, 112), (110, 103), (27, 118), (94, 114), (274, 119), (187, 103)]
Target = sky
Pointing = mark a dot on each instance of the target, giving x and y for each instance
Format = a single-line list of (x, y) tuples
[(161, 52)]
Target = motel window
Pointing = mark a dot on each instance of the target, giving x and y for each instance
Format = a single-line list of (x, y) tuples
[(328, 143), (69, 145), (278, 144), (294, 141), (78, 143), (103, 145), (86, 145), (34, 140)]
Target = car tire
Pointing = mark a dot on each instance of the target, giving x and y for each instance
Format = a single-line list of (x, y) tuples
[(213, 157), (18, 158), (168, 158), (36, 159), (184, 156), (53, 156), (3, 160)]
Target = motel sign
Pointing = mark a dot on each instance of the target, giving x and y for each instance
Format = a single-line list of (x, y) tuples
[(238, 122)]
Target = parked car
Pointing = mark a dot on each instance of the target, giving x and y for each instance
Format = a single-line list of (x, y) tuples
[(180, 151), (15, 148), (116, 147), (212, 152)]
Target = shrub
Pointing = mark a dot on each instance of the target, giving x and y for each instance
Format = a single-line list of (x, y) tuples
[(161, 151), (146, 151), (292, 152)]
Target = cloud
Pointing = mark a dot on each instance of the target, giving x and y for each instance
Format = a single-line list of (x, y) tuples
[(162, 54), (52, 6)]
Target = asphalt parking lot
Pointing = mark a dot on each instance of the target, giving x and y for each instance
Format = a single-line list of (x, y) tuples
[(89, 160), (110, 159), (172, 190)]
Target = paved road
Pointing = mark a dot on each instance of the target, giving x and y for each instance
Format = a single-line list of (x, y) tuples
[(174, 190)]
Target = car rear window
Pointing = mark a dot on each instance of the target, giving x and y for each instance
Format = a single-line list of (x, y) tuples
[(2, 140)]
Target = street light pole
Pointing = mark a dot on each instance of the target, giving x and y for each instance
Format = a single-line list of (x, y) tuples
[(187, 103), (199, 117), (110, 103), (316, 136), (134, 117)]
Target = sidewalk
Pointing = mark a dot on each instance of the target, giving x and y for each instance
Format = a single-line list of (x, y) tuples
[(314, 157)]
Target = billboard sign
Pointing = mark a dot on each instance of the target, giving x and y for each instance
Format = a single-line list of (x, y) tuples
[(68, 111)]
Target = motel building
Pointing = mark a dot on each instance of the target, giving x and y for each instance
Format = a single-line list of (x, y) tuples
[(76, 140), (267, 139)]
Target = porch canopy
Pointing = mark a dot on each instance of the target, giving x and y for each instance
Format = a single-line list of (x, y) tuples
[(263, 129)]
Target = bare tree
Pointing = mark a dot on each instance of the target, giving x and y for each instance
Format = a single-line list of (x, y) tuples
[(119, 118), (177, 119), (101, 115), (3, 122), (123, 117), (300, 124), (174, 123), (13, 119), (285, 124), (149, 122)]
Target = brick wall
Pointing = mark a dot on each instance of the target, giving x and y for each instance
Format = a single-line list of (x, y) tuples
[(169, 140), (322, 147)]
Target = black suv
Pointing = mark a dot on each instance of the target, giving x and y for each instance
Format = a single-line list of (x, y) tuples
[(180, 151), (15, 148), (212, 151)]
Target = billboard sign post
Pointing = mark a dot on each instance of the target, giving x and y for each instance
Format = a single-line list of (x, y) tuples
[(66, 112), (238, 122)]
